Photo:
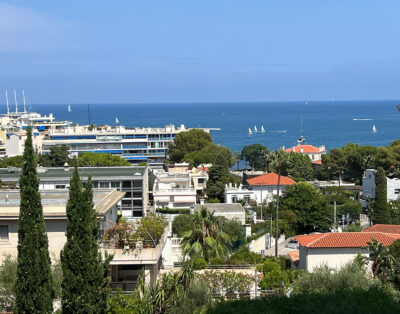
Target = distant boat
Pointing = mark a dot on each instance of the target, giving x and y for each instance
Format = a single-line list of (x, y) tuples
[(255, 129), (357, 119), (262, 129), (250, 133), (282, 131), (116, 120), (374, 128), (69, 108)]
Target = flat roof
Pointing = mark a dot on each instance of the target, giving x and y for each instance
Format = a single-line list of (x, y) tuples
[(221, 207), (54, 202), (61, 172)]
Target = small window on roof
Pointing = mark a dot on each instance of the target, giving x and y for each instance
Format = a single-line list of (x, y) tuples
[(4, 233)]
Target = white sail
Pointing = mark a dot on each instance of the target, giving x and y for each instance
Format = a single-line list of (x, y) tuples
[(250, 132), (69, 108), (255, 129), (262, 129), (116, 120), (374, 128)]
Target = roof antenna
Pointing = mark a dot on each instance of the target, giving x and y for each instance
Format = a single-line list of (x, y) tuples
[(23, 96), (8, 108), (16, 103)]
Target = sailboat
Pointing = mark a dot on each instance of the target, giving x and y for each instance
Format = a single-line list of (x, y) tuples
[(262, 129), (302, 139), (255, 129), (69, 108), (374, 128), (250, 133), (116, 120)]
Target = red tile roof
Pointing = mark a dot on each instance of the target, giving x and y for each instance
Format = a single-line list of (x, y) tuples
[(317, 162), (306, 149), (270, 179), (294, 256), (383, 228), (345, 239)]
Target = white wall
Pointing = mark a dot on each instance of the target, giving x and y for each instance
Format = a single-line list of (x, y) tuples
[(311, 258)]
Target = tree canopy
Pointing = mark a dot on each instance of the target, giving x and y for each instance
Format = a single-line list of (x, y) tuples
[(87, 159), (255, 155), (310, 207), (380, 214), (57, 157)]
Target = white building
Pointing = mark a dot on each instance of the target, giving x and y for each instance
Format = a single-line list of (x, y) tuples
[(260, 189), (315, 153), (228, 211), (369, 186), (15, 143), (337, 249)]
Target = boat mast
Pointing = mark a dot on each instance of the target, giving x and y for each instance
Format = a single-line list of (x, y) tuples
[(23, 96), (16, 103), (8, 108)]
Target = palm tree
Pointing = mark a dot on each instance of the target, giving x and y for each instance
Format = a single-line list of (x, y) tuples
[(237, 156), (383, 262), (206, 239), (278, 160)]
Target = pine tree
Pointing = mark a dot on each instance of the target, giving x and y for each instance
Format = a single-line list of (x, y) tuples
[(34, 291), (380, 205), (85, 284), (218, 177)]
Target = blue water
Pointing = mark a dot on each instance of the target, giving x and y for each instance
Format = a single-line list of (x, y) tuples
[(327, 123)]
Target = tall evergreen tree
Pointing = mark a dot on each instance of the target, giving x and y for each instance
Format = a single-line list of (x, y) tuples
[(381, 214), (85, 274), (218, 176), (34, 291)]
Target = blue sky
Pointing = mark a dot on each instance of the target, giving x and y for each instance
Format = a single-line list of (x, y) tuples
[(199, 51)]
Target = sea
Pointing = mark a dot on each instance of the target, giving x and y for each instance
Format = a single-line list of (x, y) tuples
[(330, 123)]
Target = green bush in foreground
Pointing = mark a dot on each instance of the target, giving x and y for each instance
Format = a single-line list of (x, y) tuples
[(373, 300)]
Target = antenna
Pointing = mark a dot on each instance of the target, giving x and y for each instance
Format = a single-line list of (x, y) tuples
[(8, 108), (16, 103), (23, 96)]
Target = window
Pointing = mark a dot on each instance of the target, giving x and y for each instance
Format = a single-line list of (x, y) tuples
[(397, 191), (95, 184), (104, 185), (137, 203), (115, 184), (137, 183), (201, 181), (3, 233), (234, 198), (60, 186), (126, 184)]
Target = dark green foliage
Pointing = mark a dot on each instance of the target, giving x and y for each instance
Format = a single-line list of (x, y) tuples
[(8, 277), (243, 256), (310, 207), (394, 212), (57, 157), (88, 159), (85, 279), (182, 224), (357, 301), (173, 210), (16, 161), (297, 166), (255, 155), (188, 142), (234, 230), (34, 290), (196, 297), (381, 214), (218, 176)]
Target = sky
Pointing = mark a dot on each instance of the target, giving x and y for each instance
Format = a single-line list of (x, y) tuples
[(199, 51)]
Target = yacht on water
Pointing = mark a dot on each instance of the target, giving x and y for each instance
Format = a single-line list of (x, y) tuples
[(116, 120), (69, 108), (19, 120), (262, 129), (250, 132), (255, 129), (301, 140), (374, 128)]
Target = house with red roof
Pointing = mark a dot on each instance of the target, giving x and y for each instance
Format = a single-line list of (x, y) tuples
[(383, 228), (337, 249), (259, 188), (315, 153)]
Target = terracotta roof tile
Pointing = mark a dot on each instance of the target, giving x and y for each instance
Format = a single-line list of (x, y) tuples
[(383, 228), (345, 239), (270, 179), (294, 256), (317, 162), (306, 149)]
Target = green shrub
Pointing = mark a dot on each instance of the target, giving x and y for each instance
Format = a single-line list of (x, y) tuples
[(270, 266), (217, 261), (167, 210), (181, 224), (200, 263), (197, 296), (243, 256)]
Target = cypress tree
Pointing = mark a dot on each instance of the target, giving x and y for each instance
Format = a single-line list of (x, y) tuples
[(34, 291), (85, 284), (380, 206)]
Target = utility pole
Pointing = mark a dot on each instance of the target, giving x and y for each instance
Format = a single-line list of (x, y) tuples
[(277, 209), (334, 215), (255, 283)]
